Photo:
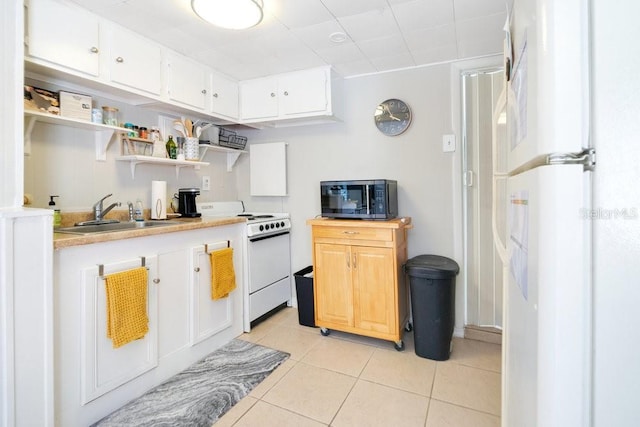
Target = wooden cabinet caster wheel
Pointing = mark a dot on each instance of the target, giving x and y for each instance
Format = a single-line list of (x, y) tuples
[(324, 332), (399, 345)]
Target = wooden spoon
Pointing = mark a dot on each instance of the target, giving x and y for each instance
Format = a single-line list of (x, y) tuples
[(188, 124)]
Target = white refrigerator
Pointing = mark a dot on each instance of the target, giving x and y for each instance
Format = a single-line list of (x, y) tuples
[(542, 176)]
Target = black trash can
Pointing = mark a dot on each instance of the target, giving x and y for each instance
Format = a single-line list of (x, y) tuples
[(432, 281), (304, 292)]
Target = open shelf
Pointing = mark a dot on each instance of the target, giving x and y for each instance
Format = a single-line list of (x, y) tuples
[(232, 153), (136, 160), (104, 134)]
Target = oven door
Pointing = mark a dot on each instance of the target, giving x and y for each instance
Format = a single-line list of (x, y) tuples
[(269, 260)]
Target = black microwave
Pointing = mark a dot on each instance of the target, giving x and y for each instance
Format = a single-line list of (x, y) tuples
[(359, 199)]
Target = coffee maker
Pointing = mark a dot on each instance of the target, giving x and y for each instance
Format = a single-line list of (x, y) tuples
[(187, 202)]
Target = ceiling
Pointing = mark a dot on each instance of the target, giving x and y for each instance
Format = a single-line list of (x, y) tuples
[(382, 35)]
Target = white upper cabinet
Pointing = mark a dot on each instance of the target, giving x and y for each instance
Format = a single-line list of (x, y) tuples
[(135, 61), (187, 81), (304, 92), (258, 98), (224, 96), (301, 94), (64, 35)]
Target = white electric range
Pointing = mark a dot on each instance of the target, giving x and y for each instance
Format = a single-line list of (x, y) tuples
[(266, 250)]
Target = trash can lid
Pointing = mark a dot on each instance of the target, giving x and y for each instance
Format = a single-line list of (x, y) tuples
[(431, 267)]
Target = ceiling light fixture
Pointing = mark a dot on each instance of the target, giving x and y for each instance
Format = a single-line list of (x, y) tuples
[(231, 14)]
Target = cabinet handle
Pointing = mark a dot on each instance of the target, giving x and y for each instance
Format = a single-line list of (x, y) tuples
[(355, 257), (156, 281), (197, 269), (204, 91), (273, 95), (349, 262), (350, 232), (215, 95), (94, 49), (286, 93), (120, 59)]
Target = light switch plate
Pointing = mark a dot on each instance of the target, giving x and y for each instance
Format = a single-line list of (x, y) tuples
[(206, 183), (448, 143)]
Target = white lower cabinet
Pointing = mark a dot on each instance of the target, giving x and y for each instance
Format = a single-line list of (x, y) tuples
[(103, 367), (208, 317), (92, 379)]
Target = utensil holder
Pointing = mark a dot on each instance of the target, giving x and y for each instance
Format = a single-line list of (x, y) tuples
[(191, 149)]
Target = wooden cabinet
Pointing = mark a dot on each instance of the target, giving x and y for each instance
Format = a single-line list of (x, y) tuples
[(296, 95), (64, 35), (359, 286)]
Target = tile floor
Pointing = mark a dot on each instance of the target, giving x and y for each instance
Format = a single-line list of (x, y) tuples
[(348, 380)]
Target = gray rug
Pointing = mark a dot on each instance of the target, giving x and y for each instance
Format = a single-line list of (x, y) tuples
[(202, 393)]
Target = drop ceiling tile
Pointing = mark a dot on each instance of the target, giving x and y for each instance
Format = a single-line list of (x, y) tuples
[(393, 62), (300, 13), (382, 47), (435, 55), (370, 25), (469, 9), (340, 8), (418, 14), (347, 52), (354, 68), (317, 36), (483, 28), (431, 37)]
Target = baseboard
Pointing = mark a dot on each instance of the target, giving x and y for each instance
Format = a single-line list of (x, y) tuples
[(486, 334)]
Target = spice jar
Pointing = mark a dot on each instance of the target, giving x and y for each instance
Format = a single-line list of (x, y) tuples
[(144, 133)]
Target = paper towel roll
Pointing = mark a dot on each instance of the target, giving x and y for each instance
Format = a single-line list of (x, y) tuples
[(158, 199)]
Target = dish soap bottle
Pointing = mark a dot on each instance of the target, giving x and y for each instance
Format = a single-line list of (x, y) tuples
[(57, 216), (138, 215), (171, 148)]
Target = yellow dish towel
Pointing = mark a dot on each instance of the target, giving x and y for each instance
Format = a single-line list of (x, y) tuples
[(223, 276), (127, 306)]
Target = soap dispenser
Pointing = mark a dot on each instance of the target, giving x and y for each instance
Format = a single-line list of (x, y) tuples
[(57, 216)]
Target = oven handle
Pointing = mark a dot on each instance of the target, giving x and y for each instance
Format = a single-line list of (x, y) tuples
[(268, 236)]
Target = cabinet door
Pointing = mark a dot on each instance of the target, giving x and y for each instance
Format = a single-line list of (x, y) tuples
[(208, 316), (332, 284), (173, 301), (188, 81), (103, 367), (135, 61), (303, 92), (64, 35), (258, 98), (374, 287), (224, 96)]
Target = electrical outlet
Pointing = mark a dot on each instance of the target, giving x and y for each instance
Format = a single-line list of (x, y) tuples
[(448, 143), (206, 183)]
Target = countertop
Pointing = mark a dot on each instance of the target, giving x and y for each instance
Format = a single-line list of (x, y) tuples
[(64, 240), (402, 222)]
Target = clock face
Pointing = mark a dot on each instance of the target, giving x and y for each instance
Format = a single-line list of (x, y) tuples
[(392, 117)]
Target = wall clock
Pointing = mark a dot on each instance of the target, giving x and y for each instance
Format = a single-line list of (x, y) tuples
[(392, 117)]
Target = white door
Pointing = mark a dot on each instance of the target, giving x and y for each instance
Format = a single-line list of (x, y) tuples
[(483, 267)]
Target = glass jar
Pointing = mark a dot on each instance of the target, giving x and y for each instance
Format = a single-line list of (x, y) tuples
[(110, 116), (144, 133)]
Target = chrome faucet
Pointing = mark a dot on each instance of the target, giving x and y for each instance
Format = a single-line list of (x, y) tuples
[(131, 215), (99, 212)]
